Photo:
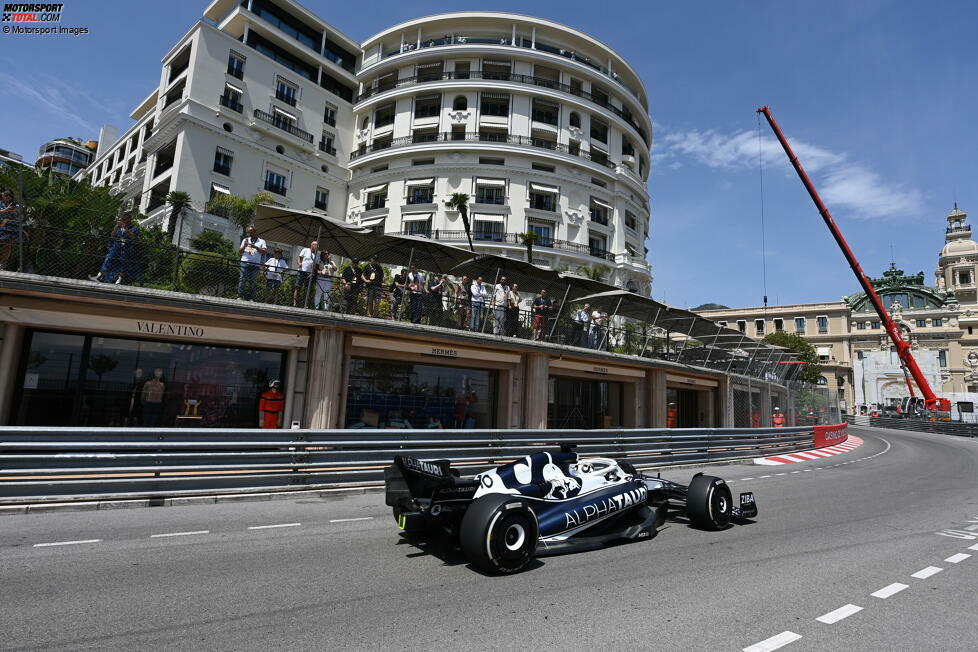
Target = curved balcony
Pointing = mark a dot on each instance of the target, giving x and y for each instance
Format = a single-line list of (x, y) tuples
[(512, 239), (264, 116), (494, 76)]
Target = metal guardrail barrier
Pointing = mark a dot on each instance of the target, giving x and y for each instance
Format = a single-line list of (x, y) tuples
[(57, 464), (954, 428)]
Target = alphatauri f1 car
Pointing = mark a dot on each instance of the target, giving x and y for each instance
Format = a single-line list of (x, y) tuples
[(547, 503)]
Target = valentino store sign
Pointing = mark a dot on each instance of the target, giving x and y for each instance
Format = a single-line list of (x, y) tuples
[(167, 330)]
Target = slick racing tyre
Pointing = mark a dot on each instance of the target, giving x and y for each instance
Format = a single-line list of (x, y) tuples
[(499, 533), (708, 502)]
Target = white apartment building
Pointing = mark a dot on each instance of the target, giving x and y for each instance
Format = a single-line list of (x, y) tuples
[(543, 127)]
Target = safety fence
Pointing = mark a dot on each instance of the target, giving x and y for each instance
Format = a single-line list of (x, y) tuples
[(58, 464), (799, 404), (954, 428)]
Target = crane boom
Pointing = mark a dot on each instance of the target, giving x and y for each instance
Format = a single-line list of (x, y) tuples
[(931, 401)]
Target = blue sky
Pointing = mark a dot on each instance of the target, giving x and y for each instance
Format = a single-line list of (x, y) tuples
[(878, 98)]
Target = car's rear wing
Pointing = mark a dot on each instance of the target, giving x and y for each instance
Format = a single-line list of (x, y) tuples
[(411, 478)]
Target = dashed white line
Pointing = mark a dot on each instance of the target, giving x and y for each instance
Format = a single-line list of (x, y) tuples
[(774, 642), (65, 543), (780, 474), (974, 547), (924, 573), (958, 558), (887, 591), (744, 479), (794, 472), (268, 527), (178, 534), (763, 476), (349, 520), (838, 614)]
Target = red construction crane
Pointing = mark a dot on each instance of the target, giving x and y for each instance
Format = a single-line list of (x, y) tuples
[(931, 401)]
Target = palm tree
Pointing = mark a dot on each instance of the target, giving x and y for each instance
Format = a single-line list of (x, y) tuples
[(460, 202), (593, 272), (528, 239), (238, 210), (179, 201)]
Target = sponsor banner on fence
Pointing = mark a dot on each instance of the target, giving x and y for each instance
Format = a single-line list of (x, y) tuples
[(831, 435)]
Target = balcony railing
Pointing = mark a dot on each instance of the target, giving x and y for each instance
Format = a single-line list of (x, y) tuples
[(277, 188), (329, 149), (496, 76), (478, 137), (514, 239), (264, 116), (231, 103)]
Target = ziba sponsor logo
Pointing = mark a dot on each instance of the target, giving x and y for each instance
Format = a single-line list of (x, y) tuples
[(605, 506)]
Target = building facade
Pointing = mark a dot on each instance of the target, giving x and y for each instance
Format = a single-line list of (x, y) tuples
[(857, 357), (545, 129), (66, 156)]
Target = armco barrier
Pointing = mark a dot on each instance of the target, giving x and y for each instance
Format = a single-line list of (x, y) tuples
[(831, 435), (953, 428), (47, 464)]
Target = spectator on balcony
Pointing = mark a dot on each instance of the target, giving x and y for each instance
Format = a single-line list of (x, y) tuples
[(120, 262), (373, 278), (500, 301), (252, 251), (513, 310), (543, 307), (480, 294), (324, 282), (599, 328), (352, 283), (435, 293), (582, 323), (275, 266), (463, 302), (306, 262), (397, 288), (415, 298), (10, 222)]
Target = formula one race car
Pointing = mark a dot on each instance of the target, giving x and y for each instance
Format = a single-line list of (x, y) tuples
[(549, 502)]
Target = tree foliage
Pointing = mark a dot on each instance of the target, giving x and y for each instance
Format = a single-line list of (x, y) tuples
[(237, 209), (811, 371)]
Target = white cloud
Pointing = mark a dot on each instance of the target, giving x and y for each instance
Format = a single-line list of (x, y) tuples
[(842, 183), (55, 96)]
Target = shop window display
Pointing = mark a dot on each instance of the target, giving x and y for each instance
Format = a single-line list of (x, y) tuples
[(386, 394), (88, 380)]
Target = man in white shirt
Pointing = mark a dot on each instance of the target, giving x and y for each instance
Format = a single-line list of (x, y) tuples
[(599, 327), (324, 282), (306, 262), (274, 267), (500, 301), (480, 293), (252, 250), (582, 318)]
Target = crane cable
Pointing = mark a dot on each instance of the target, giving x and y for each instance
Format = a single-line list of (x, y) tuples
[(760, 173)]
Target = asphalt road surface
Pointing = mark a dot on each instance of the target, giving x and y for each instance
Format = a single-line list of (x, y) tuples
[(873, 549)]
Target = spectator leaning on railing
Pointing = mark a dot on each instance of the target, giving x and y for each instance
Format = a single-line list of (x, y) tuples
[(252, 250), (121, 264), (10, 222), (582, 322), (480, 294), (500, 298)]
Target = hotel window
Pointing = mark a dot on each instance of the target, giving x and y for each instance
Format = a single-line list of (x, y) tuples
[(540, 167), (286, 91), (419, 224), (384, 116), (859, 355), (422, 161), (823, 324), (861, 325), (742, 325), (218, 189), (942, 357), (495, 104), (778, 325), (387, 82), (544, 231), (630, 221), (545, 112), (964, 278), (275, 182), (938, 322), (599, 210), (597, 245), (283, 120), (376, 197), (800, 325), (222, 161), (329, 115), (489, 227), (599, 130), (322, 199), (499, 70), (460, 103), (874, 325), (420, 191), (824, 353), (485, 160), (575, 120), (236, 64), (543, 198), (429, 72), (921, 323), (326, 143), (427, 106), (490, 191), (758, 326), (232, 98)]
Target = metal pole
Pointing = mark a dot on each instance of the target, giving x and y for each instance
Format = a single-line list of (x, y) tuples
[(688, 333), (710, 351), (607, 328), (559, 311), (732, 356), (651, 332)]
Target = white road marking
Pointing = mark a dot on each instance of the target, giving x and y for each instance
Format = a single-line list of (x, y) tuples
[(65, 543), (838, 614), (927, 572), (806, 470), (744, 479), (794, 472), (348, 520), (764, 476), (773, 643), (954, 559), (780, 474), (178, 534), (974, 547), (268, 527), (887, 591)]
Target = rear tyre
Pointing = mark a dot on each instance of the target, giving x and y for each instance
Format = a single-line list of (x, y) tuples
[(499, 533), (709, 502)]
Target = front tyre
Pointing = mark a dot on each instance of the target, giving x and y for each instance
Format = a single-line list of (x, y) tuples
[(499, 533), (709, 502)]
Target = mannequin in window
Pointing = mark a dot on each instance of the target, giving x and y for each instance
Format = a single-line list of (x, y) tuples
[(152, 398), (134, 417)]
